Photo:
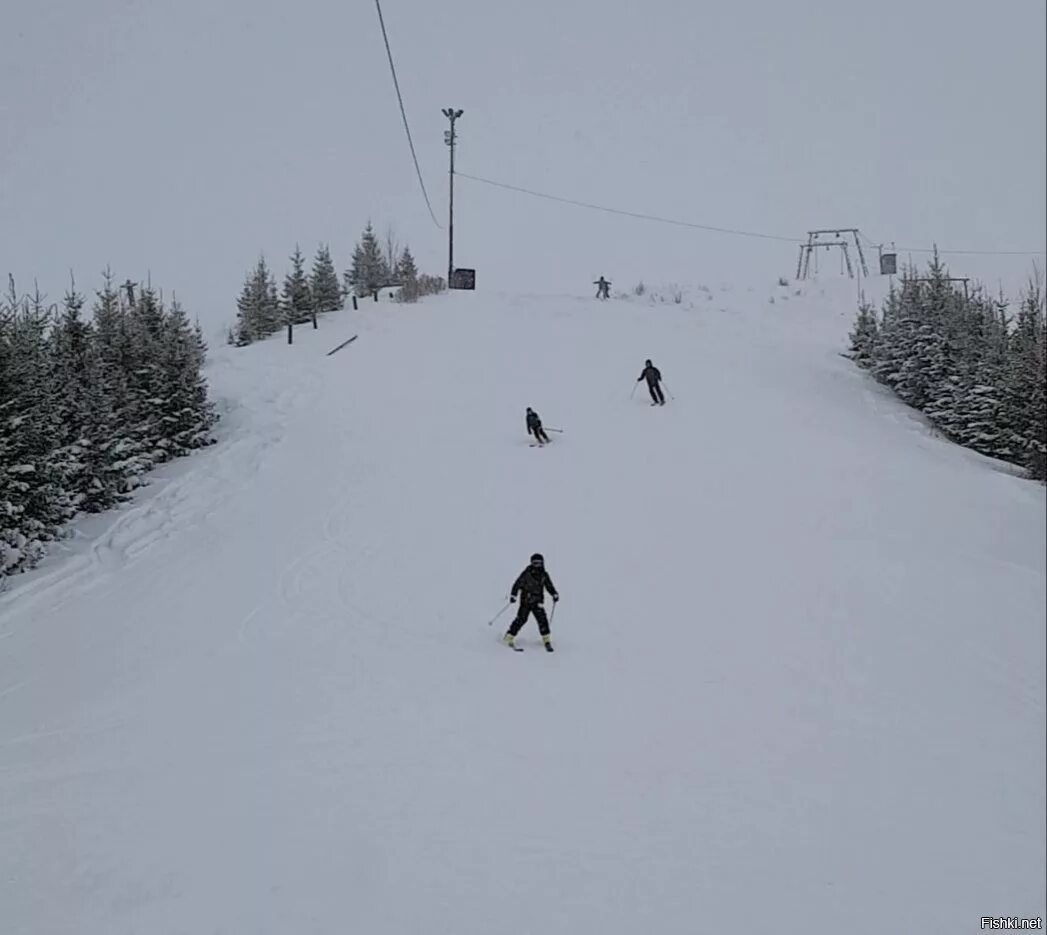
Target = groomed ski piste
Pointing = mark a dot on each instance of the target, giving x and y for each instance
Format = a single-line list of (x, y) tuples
[(798, 684)]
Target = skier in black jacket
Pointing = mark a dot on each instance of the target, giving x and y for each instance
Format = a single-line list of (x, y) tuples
[(653, 376), (531, 585), (534, 427)]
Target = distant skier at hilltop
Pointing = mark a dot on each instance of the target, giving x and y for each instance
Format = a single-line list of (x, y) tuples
[(531, 585), (534, 427), (653, 376), (603, 288)]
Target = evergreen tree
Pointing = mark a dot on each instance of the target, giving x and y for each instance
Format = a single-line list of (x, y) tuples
[(297, 298), (186, 414), (113, 350), (258, 308), (324, 285), (33, 501), (1024, 392), (87, 407), (71, 345), (369, 271), (863, 337), (960, 359), (407, 276), (145, 331)]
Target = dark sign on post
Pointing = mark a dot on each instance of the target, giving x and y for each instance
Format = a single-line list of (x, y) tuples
[(464, 279), (888, 264)]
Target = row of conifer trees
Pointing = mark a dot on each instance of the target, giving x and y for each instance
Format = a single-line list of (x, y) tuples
[(89, 404), (971, 363), (263, 309)]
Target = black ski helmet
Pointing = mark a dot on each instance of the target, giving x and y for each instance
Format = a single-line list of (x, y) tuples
[(648, 362), (537, 559)]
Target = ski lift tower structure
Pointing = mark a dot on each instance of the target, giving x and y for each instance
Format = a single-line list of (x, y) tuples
[(841, 237)]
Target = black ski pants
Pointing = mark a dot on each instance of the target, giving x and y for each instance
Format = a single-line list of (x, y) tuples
[(656, 392), (521, 618)]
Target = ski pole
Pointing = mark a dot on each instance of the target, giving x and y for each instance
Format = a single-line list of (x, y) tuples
[(553, 430), (633, 393), (497, 615), (553, 614), (667, 391)]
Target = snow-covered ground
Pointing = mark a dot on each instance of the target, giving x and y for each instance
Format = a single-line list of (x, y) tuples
[(799, 679)]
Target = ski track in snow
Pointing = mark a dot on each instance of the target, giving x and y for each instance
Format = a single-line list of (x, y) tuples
[(798, 686), (168, 504)]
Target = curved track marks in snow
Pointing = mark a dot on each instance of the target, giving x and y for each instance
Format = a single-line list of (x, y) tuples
[(799, 651)]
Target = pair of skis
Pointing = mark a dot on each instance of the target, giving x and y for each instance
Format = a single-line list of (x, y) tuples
[(538, 444), (519, 649)]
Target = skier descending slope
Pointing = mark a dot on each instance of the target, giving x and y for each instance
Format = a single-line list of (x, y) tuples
[(653, 376), (534, 427), (531, 585)]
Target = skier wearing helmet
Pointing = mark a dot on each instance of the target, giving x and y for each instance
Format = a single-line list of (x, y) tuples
[(653, 376), (531, 584), (534, 427)]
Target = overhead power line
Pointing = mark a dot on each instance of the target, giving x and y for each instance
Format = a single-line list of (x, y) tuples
[(873, 243), (726, 230), (631, 214), (403, 113)]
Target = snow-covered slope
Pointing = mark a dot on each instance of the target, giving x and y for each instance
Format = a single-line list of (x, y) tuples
[(798, 686)]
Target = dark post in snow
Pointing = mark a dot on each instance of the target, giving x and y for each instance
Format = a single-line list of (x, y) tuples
[(450, 138)]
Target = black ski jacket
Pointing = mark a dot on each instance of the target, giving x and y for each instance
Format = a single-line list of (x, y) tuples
[(651, 374), (533, 422), (534, 582)]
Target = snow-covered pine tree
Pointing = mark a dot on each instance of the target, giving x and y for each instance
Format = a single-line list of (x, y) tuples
[(246, 330), (89, 413), (33, 501), (895, 347), (297, 298), (71, 342), (977, 412), (325, 288), (369, 271), (258, 308), (87, 407), (863, 336), (1036, 458), (145, 329), (407, 275), (105, 479), (115, 360), (1024, 394), (186, 414)]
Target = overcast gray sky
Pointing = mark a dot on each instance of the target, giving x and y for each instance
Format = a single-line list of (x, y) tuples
[(184, 137)]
